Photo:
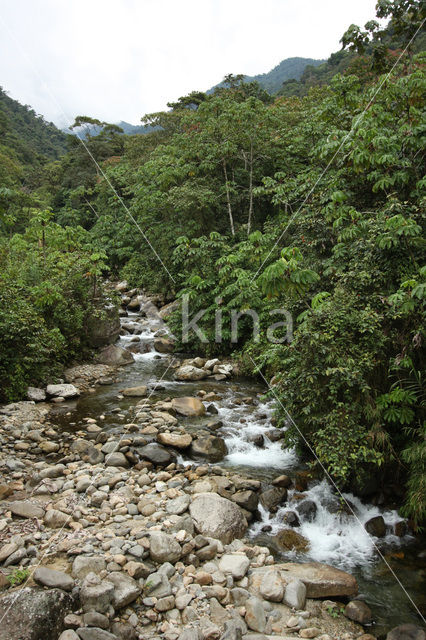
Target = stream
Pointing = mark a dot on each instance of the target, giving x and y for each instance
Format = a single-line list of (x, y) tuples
[(334, 537)]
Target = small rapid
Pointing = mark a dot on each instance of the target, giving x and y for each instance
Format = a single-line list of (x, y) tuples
[(244, 425), (335, 529)]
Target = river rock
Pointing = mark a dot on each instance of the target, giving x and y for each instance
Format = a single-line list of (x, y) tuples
[(290, 540), (103, 328), (406, 632), (217, 517), (295, 594), (53, 579), (68, 634), (56, 519), (188, 373), (164, 345), (115, 356), (178, 505), (376, 527), (95, 633), (236, 564), (7, 550), (177, 440), (155, 454), (35, 394), (246, 500), (33, 613), (26, 509), (164, 548), (116, 459), (211, 447), (358, 611), (126, 590), (62, 390), (273, 498), (291, 519), (272, 586), (83, 565), (321, 580), (86, 451), (96, 594), (307, 510), (187, 406), (282, 481), (255, 615), (135, 392)]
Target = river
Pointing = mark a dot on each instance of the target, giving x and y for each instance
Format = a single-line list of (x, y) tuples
[(335, 537)]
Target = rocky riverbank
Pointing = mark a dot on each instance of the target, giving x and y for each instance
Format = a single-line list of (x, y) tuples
[(154, 550), (137, 532)]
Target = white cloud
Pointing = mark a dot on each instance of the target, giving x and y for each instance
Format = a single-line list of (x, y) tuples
[(119, 59)]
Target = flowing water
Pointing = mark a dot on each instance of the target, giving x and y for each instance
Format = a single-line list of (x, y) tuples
[(335, 537)]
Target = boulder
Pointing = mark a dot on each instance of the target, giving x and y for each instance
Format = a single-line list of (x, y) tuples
[(188, 373), (295, 594), (83, 565), (407, 632), (187, 406), (177, 440), (272, 586), (321, 580), (358, 611), (236, 564), (211, 363), (291, 519), (35, 394), (217, 517), (134, 304), (53, 579), (168, 309), (115, 356), (211, 447), (26, 509), (246, 500), (87, 451), (103, 328), (56, 519), (33, 613), (273, 498), (164, 345), (164, 548), (135, 392), (255, 615), (178, 505), (7, 550), (116, 459), (376, 527), (307, 510), (62, 391), (290, 540), (96, 594), (155, 454), (126, 590)]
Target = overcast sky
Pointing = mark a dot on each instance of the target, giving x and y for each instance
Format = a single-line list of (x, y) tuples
[(119, 59)]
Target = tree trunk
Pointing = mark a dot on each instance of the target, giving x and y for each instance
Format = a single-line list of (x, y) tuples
[(228, 198)]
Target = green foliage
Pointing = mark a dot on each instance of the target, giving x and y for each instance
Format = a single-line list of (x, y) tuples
[(18, 576), (49, 287)]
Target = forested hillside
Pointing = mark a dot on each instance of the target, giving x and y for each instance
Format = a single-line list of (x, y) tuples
[(310, 203), (288, 69), (27, 140)]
